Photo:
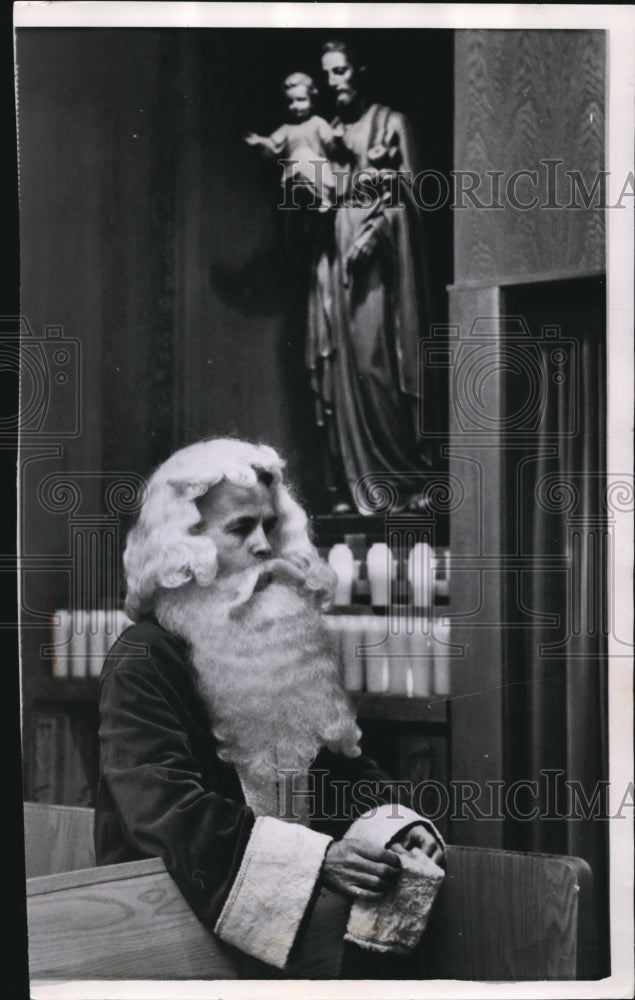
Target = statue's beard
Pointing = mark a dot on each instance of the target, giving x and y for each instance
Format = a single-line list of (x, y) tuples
[(264, 669)]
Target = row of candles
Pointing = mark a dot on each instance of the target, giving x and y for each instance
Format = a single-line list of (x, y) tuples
[(393, 654), (81, 639), (419, 580), (398, 654)]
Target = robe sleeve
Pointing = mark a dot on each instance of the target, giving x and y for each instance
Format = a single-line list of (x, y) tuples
[(398, 130), (250, 880), (383, 222), (411, 289)]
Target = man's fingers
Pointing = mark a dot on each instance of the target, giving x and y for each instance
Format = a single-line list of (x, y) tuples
[(378, 854), (366, 880), (434, 851), (429, 847), (378, 873), (358, 893)]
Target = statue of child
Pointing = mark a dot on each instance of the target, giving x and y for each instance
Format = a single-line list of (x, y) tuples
[(305, 142)]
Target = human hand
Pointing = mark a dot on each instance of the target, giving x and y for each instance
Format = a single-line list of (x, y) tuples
[(419, 838), (252, 139), (361, 251), (376, 155), (359, 869)]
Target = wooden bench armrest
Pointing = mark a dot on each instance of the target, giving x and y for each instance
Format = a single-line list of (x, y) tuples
[(500, 916), (126, 921)]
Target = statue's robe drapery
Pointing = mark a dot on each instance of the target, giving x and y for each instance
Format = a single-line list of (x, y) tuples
[(364, 329)]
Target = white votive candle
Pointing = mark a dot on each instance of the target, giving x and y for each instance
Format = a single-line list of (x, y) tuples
[(379, 567), (399, 666), (61, 633), (421, 568), (351, 646), (340, 559), (442, 654), (79, 650)]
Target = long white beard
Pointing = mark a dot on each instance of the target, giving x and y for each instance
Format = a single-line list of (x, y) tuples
[(268, 677)]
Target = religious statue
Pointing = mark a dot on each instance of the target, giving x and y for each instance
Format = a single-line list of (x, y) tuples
[(368, 298), (368, 302), (303, 144)]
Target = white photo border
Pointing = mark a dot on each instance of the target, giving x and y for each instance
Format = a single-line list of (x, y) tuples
[(619, 24)]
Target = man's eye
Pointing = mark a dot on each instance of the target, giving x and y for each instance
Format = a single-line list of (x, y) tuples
[(240, 530), (270, 525)]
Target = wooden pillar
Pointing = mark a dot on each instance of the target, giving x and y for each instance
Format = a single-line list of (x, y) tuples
[(477, 544)]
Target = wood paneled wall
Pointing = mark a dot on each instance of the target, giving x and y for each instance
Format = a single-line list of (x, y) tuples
[(522, 98), (97, 193)]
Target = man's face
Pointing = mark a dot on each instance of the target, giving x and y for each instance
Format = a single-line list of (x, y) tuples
[(299, 102), (240, 520), (340, 77)]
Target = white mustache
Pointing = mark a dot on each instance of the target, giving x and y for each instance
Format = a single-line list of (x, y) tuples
[(249, 582)]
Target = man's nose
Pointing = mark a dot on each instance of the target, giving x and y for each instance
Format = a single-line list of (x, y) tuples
[(259, 544)]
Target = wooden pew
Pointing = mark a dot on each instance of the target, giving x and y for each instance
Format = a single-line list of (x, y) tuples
[(505, 915), (500, 915), (57, 838)]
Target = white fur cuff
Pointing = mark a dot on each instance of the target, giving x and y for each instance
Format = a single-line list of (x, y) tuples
[(272, 890)]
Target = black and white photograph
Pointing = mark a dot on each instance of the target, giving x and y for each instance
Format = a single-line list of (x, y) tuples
[(325, 498)]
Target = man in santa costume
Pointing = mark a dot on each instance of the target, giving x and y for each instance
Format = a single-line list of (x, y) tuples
[(228, 746)]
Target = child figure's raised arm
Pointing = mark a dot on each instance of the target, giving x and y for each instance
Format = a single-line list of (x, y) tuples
[(271, 145)]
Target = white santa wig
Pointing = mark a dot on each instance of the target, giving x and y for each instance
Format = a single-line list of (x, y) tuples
[(163, 550)]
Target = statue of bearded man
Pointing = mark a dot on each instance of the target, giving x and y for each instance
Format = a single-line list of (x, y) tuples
[(369, 301)]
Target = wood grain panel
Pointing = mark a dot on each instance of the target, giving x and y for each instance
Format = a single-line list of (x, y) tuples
[(98, 924), (476, 597), (57, 839), (500, 916), (130, 921), (400, 708), (524, 97), (506, 916)]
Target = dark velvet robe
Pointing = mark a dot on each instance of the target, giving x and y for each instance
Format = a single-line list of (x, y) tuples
[(164, 792)]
